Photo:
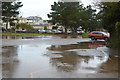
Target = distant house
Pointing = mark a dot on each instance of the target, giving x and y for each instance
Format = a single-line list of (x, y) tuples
[(34, 20), (37, 27), (38, 23), (49, 26), (22, 20)]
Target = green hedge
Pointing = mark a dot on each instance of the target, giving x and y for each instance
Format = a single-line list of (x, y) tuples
[(86, 35)]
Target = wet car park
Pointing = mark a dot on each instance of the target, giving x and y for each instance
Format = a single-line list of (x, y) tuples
[(56, 57)]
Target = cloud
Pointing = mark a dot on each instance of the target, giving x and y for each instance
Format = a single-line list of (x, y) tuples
[(43, 7), (36, 7)]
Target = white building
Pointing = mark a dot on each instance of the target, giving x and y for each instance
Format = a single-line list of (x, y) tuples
[(22, 20), (35, 20)]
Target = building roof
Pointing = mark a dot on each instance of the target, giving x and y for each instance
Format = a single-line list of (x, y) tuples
[(33, 17)]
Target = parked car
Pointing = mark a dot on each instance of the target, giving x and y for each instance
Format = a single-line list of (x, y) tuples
[(56, 31), (80, 32), (42, 31), (99, 35), (49, 31)]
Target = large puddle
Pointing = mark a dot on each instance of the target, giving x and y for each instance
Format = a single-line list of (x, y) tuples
[(73, 60)]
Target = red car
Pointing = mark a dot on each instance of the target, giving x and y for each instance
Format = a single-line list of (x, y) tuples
[(99, 35)]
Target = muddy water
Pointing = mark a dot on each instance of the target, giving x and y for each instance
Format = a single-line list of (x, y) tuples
[(81, 60)]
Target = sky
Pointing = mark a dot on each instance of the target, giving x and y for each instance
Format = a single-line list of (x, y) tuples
[(39, 7)]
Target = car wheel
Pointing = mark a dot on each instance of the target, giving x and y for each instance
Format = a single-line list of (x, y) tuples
[(106, 39), (92, 38)]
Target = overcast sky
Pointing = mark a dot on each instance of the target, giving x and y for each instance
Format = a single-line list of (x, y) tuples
[(39, 7)]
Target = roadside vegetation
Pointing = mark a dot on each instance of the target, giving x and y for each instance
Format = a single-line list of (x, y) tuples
[(23, 34), (86, 35), (110, 19), (24, 26)]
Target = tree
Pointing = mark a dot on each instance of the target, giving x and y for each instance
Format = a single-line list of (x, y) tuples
[(45, 27), (110, 18), (89, 19), (118, 34), (110, 14), (9, 11), (73, 15), (66, 14), (118, 27)]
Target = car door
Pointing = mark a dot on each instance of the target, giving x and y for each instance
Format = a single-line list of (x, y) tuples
[(97, 35)]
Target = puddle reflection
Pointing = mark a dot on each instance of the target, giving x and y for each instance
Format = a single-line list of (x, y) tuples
[(25, 37), (81, 45)]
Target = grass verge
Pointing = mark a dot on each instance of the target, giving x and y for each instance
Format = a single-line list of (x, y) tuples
[(86, 35)]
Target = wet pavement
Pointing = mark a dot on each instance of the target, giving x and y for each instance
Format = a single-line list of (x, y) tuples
[(56, 57)]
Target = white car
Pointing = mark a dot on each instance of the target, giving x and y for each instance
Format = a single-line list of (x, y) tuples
[(80, 32), (57, 31), (41, 31), (49, 31)]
